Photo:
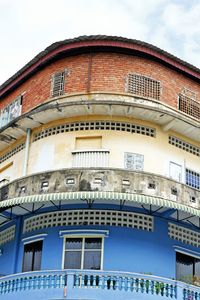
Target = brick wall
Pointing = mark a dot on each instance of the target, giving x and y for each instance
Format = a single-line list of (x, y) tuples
[(100, 72)]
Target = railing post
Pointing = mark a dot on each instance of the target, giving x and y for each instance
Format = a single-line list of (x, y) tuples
[(70, 283)]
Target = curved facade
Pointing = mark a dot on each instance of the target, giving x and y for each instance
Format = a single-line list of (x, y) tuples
[(100, 174)]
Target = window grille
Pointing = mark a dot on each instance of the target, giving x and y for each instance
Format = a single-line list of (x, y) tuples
[(89, 217), (58, 84), (184, 145), (144, 86), (189, 106), (192, 179), (184, 235), (90, 158), (10, 112), (7, 235), (95, 125), (133, 161), (12, 152)]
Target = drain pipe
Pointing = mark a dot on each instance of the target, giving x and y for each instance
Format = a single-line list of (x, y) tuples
[(27, 147)]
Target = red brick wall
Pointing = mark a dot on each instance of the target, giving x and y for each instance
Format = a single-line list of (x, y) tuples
[(108, 74)]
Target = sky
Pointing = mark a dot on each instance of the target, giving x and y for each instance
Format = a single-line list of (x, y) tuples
[(29, 26)]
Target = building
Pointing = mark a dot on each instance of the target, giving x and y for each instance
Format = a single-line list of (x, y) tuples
[(100, 174)]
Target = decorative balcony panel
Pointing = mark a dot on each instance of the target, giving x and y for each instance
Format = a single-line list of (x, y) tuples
[(90, 158), (189, 106), (100, 183)]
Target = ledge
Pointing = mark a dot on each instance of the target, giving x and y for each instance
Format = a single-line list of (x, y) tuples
[(113, 185)]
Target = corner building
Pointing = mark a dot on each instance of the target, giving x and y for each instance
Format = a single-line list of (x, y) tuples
[(100, 174)]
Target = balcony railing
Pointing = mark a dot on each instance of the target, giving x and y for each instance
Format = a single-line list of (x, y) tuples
[(189, 106), (74, 284), (90, 158)]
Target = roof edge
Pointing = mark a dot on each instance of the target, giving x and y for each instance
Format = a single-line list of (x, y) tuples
[(97, 41)]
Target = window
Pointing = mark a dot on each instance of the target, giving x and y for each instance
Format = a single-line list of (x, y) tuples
[(175, 171), (187, 268), (133, 161), (32, 256), (83, 253), (12, 111), (192, 179), (144, 86), (58, 84)]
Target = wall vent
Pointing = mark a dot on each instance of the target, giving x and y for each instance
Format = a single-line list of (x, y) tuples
[(89, 217), (12, 152), (7, 235), (174, 141), (184, 235), (95, 125)]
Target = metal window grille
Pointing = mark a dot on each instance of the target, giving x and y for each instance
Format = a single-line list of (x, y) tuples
[(90, 158), (184, 235), (192, 179), (189, 106), (89, 217), (9, 154), (95, 125), (7, 235), (184, 145), (144, 86), (133, 161), (58, 83)]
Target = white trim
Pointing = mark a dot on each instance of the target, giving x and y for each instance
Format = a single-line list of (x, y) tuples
[(34, 238), (84, 233), (187, 251), (83, 237)]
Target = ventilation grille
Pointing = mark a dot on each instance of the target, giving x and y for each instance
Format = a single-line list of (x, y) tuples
[(189, 106), (184, 145), (184, 235), (144, 86), (89, 217), (99, 125), (58, 84), (12, 152), (7, 235)]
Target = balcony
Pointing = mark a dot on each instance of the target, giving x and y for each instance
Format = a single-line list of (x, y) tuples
[(118, 184), (189, 106), (78, 284)]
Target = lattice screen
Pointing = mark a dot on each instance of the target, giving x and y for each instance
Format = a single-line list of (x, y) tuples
[(95, 125), (144, 86), (184, 145), (184, 235), (7, 235), (89, 217)]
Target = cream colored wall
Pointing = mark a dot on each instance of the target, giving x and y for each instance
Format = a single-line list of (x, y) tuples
[(15, 170), (54, 152)]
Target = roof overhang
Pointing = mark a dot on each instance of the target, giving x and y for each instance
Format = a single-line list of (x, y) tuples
[(102, 105), (92, 43)]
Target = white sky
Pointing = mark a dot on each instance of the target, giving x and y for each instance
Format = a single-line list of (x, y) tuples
[(29, 26)]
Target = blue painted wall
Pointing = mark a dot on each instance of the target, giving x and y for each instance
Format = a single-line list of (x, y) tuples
[(125, 249)]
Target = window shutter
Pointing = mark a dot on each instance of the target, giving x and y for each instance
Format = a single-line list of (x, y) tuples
[(58, 84)]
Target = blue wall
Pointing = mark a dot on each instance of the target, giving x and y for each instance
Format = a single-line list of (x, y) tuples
[(125, 249)]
